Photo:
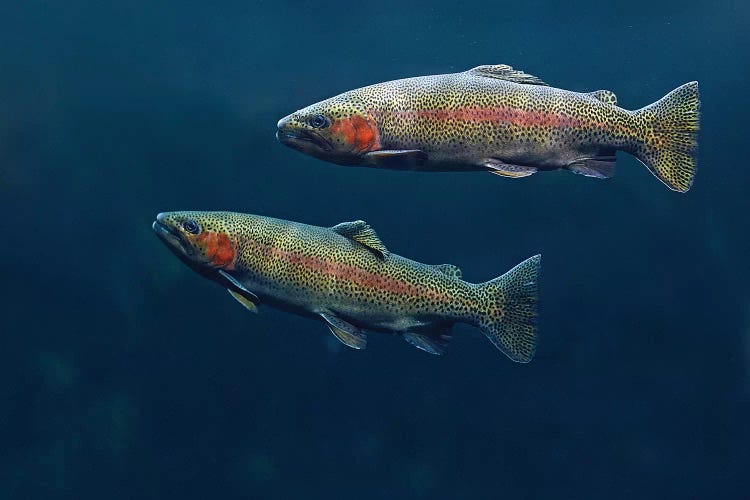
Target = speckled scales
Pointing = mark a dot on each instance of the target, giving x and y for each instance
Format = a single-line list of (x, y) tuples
[(317, 271), (321, 269), (469, 120), (461, 119)]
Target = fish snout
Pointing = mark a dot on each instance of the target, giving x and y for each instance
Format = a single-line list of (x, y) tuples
[(284, 131), (159, 225), (282, 124), (162, 227), (294, 132), (171, 236)]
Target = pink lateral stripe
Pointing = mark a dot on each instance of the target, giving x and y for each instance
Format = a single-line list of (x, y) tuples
[(504, 114), (355, 275)]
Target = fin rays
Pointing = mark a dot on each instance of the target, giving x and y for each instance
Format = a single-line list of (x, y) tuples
[(361, 232), (348, 334)]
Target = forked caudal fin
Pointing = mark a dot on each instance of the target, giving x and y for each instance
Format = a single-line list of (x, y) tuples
[(509, 310), (669, 142)]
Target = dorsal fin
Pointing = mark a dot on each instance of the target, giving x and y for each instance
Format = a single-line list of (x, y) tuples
[(606, 96), (505, 72), (361, 232), (449, 270)]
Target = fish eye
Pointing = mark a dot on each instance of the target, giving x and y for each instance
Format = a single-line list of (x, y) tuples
[(191, 226), (318, 121)]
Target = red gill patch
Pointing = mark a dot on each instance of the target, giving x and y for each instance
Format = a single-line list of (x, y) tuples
[(219, 249), (358, 132)]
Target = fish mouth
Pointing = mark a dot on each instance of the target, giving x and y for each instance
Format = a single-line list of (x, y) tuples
[(170, 236), (302, 138)]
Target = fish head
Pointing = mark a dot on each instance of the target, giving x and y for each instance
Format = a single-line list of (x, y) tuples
[(205, 241), (340, 130)]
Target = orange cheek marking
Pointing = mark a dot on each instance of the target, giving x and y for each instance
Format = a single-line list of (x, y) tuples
[(211, 245), (204, 240), (358, 132), (343, 129), (225, 254), (219, 249), (365, 133)]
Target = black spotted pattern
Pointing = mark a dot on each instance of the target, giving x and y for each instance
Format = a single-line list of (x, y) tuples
[(313, 270), (463, 119)]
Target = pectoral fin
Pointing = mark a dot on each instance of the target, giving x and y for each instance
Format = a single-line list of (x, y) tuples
[(499, 167), (247, 303), (347, 333), (434, 344), (405, 159), (234, 281)]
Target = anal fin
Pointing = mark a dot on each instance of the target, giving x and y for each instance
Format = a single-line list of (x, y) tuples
[(499, 167), (601, 167), (434, 344), (347, 333)]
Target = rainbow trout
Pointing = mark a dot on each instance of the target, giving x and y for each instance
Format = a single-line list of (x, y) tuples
[(497, 119), (345, 276)]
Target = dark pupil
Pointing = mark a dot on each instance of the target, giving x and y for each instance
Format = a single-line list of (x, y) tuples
[(318, 121), (190, 226)]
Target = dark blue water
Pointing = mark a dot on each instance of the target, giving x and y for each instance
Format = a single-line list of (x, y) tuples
[(126, 375)]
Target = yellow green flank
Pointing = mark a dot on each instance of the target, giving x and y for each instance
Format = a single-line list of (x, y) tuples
[(346, 277), (497, 119)]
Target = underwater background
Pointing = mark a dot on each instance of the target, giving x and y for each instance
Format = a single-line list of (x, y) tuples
[(126, 375)]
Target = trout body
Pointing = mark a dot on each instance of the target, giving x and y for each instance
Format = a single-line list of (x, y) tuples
[(500, 120), (345, 276)]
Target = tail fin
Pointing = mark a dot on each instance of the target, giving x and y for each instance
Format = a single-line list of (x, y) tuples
[(669, 142), (509, 310)]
